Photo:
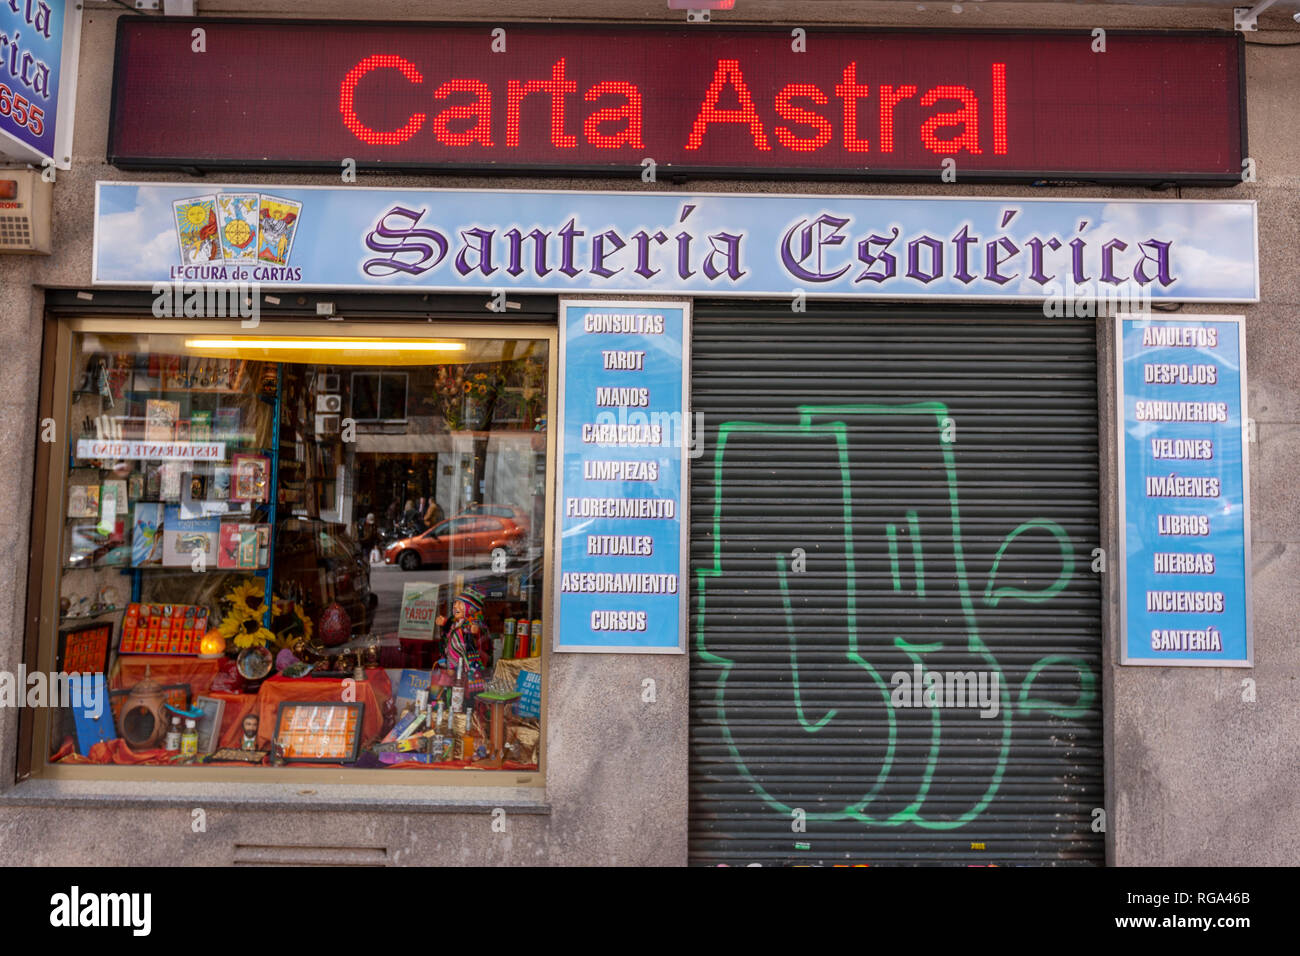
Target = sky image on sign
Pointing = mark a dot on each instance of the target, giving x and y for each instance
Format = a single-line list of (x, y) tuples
[(623, 395), (1184, 491)]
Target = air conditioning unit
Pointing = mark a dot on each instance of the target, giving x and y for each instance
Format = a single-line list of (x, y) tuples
[(26, 201)]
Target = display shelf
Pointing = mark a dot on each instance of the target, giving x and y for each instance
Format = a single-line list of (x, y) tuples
[(137, 393), (63, 618)]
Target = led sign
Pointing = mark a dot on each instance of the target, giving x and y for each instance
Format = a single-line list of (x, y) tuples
[(539, 98)]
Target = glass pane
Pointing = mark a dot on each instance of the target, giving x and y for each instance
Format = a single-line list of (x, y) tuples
[(392, 398), (214, 490), (365, 397)]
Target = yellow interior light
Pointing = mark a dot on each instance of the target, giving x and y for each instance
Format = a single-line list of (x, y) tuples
[(340, 351), (342, 345)]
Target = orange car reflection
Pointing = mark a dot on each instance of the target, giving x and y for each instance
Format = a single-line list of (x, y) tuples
[(465, 539)]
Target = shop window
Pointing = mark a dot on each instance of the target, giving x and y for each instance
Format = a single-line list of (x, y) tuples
[(231, 553), (379, 396)]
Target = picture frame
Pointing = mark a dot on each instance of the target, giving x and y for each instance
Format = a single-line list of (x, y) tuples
[(209, 725), (116, 488), (84, 650), (161, 417), (219, 486), (319, 731), (83, 501), (250, 478)]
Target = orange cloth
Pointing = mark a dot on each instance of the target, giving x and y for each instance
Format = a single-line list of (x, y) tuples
[(373, 692), (113, 751), (165, 669), (238, 706)]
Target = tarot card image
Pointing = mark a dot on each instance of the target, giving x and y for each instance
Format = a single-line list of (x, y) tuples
[(247, 554), (117, 488), (153, 482), (237, 218), (277, 223), (146, 534), (83, 501), (219, 486), (171, 481), (250, 479), (196, 229), (160, 420), (228, 537), (200, 426)]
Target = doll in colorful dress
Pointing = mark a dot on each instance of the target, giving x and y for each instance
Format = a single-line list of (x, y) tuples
[(467, 639)]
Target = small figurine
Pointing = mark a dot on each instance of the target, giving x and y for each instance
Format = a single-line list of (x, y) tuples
[(249, 741), (468, 638)]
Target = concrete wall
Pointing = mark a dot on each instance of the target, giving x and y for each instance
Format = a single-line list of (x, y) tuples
[(1195, 775)]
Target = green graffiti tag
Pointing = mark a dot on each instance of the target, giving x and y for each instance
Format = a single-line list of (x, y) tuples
[(1087, 688), (829, 427), (992, 595)]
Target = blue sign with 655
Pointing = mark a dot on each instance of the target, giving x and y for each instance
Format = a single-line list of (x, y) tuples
[(32, 36)]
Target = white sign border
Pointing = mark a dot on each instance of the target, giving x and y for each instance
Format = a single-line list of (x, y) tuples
[(683, 505), (65, 106), (851, 296), (1124, 659)]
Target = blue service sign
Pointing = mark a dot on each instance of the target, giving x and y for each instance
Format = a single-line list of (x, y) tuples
[(31, 54), (619, 568), (1184, 491)]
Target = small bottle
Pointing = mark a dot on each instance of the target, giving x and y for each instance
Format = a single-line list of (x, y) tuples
[(173, 741), (190, 741), (435, 742), (521, 637), (535, 642), (508, 633), (467, 739), (458, 688)]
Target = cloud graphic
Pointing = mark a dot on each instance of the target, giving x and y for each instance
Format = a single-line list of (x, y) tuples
[(149, 252)]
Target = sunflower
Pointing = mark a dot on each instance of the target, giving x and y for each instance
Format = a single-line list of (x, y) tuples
[(246, 632), (291, 621), (304, 619), (247, 600)]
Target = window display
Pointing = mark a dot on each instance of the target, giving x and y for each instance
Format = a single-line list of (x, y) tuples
[(307, 551)]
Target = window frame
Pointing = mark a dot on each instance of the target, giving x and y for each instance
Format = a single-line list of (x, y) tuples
[(44, 571), (379, 398)]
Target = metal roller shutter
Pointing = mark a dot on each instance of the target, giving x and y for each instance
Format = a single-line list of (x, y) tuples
[(883, 497)]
